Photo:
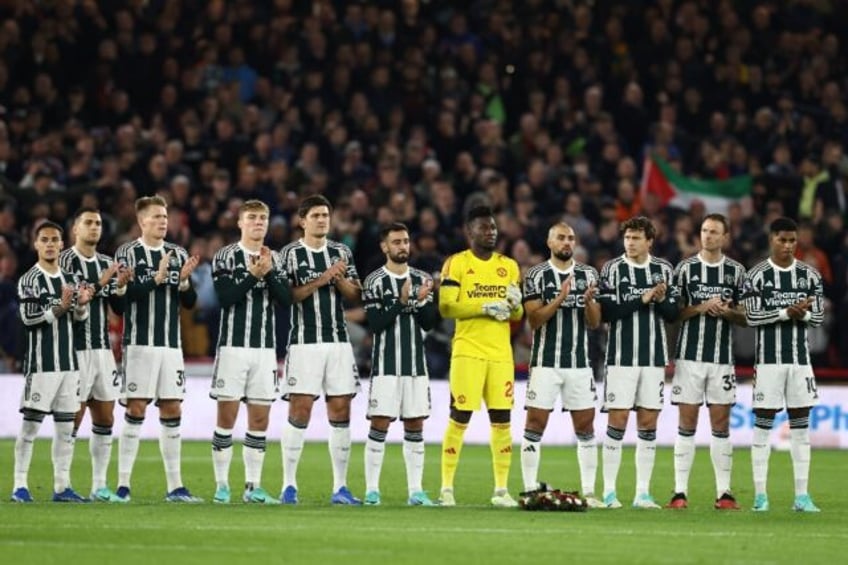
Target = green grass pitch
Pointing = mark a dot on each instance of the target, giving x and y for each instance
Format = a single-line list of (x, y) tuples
[(151, 531)]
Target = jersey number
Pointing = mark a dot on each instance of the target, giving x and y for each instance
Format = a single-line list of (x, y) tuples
[(729, 382), (181, 379), (811, 386), (115, 380), (508, 389)]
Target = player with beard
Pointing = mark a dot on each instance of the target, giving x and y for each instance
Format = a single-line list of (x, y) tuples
[(100, 383), (399, 305), (559, 299)]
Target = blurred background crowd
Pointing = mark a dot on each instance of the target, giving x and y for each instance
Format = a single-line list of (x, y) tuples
[(415, 110)]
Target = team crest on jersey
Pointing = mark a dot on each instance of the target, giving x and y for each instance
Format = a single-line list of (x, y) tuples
[(531, 395), (219, 383), (760, 397), (657, 278), (501, 272), (610, 397), (36, 397), (291, 381), (372, 403), (676, 390), (581, 284), (132, 387), (174, 261), (802, 283), (728, 279)]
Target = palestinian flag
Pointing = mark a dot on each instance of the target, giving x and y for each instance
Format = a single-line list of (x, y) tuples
[(675, 189)]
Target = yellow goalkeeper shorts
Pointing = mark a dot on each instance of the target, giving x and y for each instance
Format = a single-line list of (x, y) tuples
[(473, 381)]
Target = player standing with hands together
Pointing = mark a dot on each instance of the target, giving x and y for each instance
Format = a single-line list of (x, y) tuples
[(320, 357), (637, 298), (248, 279), (154, 369), (559, 299), (50, 301), (783, 297), (400, 309)]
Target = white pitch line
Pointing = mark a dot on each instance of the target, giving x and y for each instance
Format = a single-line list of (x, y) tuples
[(286, 527)]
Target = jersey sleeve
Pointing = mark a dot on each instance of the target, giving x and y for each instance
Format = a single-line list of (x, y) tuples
[(288, 269), (451, 304), (817, 293), (33, 309), (351, 272), (741, 274), (278, 284), (613, 308), (755, 312), (228, 291), (533, 285), (669, 307)]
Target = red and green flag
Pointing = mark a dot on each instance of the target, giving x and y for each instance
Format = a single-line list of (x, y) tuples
[(675, 189)]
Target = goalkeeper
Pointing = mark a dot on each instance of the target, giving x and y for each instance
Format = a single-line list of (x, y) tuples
[(480, 291)]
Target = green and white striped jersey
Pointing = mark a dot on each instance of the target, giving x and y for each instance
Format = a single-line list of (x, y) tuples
[(562, 342), (637, 334), (93, 333), (319, 318), (399, 330), (49, 340), (247, 303), (152, 315), (704, 338), (767, 291)]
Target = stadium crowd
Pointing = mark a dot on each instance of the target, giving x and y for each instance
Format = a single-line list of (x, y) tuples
[(416, 111)]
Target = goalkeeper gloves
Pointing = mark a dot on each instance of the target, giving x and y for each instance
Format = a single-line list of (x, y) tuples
[(499, 310), (513, 296)]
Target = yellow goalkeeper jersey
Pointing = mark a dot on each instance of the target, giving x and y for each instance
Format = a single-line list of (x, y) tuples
[(467, 284)]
